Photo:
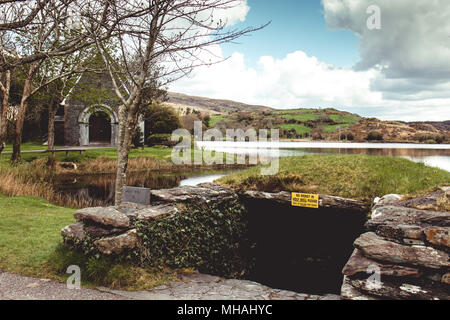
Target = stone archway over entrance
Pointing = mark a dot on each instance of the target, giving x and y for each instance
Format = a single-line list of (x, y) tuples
[(101, 118)]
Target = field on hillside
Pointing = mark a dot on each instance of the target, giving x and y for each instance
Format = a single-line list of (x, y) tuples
[(332, 125), (293, 124), (328, 124)]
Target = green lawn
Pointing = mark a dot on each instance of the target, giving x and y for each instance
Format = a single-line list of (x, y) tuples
[(352, 176), (110, 153), (31, 244), (347, 118), (34, 145), (30, 233)]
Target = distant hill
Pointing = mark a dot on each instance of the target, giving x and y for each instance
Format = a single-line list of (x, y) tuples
[(310, 123), (441, 125), (217, 105)]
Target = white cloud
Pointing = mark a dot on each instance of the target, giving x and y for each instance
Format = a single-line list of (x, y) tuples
[(403, 72), (235, 13), (412, 48), (302, 81)]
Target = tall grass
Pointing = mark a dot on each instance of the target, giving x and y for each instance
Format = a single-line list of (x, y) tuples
[(35, 179), (108, 165), (361, 177)]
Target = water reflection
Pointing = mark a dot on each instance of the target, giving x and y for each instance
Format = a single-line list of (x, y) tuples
[(99, 189), (194, 180), (432, 155)]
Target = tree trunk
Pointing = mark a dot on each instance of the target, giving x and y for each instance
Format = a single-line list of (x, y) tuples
[(122, 154), (4, 110), (17, 141), (51, 135), (16, 157), (127, 125), (51, 128)]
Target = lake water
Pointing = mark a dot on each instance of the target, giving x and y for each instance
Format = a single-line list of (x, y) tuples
[(99, 188), (435, 155)]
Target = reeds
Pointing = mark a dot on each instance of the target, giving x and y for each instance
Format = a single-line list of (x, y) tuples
[(34, 179), (107, 165)]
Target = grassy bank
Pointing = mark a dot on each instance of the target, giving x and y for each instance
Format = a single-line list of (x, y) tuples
[(31, 145), (31, 244), (32, 177), (90, 154), (352, 176), (104, 160)]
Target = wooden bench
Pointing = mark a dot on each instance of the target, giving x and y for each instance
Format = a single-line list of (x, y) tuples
[(67, 151)]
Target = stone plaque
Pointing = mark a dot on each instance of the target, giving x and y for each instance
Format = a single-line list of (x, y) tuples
[(136, 195)]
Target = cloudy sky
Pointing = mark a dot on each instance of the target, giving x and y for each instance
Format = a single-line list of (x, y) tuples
[(322, 54)]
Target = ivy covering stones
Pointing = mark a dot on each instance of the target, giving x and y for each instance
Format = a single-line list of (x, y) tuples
[(202, 228), (208, 238)]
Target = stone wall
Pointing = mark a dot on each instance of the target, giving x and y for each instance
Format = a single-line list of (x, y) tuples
[(405, 252), (252, 235), (202, 228), (92, 90), (71, 126), (402, 254)]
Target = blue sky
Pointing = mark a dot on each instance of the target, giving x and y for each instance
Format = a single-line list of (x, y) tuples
[(295, 25), (323, 53)]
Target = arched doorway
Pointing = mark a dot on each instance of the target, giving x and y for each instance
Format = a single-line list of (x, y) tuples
[(98, 125), (99, 128)]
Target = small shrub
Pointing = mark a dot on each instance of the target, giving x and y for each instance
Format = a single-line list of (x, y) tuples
[(317, 134), (210, 238), (429, 138), (347, 136), (160, 140), (138, 138), (374, 136)]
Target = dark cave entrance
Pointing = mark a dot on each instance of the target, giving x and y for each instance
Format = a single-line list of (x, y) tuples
[(100, 128), (302, 249)]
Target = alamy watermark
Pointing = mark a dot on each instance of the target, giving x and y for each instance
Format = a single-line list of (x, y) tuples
[(374, 20), (374, 281), (186, 152), (74, 281)]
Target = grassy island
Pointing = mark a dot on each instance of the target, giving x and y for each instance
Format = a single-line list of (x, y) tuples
[(359, 177)]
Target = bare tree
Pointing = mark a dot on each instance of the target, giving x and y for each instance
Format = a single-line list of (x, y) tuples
[(57, 79), (42, 34), (5, 86), (19, 13), (158, 41), (20, 17)]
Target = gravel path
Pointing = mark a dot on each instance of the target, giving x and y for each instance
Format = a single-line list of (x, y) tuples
[(190, 287), (17, 287)]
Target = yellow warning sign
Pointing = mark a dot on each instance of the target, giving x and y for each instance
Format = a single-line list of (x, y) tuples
[(305, 200)]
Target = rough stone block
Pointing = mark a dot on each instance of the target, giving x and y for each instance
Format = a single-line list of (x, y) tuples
[(108, 216), (375, 247), (359, 264), (74, 231), (118, 243)]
